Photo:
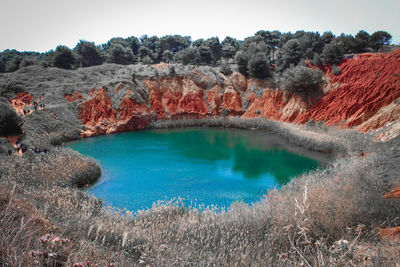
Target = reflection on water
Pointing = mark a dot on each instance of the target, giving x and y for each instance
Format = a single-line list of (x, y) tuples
[(251, 157), (212, 166)]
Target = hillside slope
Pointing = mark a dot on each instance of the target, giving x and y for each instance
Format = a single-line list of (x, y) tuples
[(114, 98)]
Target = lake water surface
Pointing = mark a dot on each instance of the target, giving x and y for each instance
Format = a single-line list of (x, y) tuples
[(209, 166)]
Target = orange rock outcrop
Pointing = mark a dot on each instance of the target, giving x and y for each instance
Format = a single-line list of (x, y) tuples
[(20, 101), (366, 84), (363, 95), (393, 232), (73, 97)]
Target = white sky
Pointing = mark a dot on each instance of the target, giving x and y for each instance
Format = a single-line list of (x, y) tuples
[(41, 25)]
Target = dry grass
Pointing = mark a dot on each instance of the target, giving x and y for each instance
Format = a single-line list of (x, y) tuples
[(324, 218)]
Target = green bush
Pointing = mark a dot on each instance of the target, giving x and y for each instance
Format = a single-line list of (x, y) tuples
[(332, 54), (336, 70), (225, 69), (29, 61), (258, 65), (121, 55), (291, 54), (89, 54), (301, 78), (242, 60), (10, 122), (317, 61), (13, 64), (63, 57)]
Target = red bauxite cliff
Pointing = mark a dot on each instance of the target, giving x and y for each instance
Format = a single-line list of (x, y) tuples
[(366, 84), (363, 95)]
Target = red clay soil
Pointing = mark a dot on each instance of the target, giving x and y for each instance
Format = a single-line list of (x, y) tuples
[(20, 101), (269, 105), (73, 97), (393, 232), (97, 114), (394, 194), (390, 233), (99, 117), (367, 83), (359, 95)]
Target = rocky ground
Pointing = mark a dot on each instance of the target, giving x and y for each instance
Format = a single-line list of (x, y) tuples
[(360, 105)]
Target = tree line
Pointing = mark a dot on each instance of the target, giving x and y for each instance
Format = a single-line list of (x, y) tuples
[(255, 56)]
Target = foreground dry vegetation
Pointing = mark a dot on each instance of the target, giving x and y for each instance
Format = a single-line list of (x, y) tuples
[(328, 217)]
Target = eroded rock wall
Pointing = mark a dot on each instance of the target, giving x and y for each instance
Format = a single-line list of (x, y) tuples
[(364, 95)]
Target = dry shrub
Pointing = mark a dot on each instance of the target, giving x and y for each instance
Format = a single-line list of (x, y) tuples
[(326, 217)]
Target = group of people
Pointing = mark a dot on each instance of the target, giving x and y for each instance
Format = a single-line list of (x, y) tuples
[(36, 105), (22, 148)]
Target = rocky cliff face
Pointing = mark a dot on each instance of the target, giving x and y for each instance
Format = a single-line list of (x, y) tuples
[(114, 98), (363, 95)]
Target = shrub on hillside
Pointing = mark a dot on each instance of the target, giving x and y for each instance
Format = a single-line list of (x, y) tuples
[(10, 122), (332, 54), (88, 53), (121, 55), (29, 61), (63, 57), (168, 56), (258, 65), (242, 60), (336, 70), (317, 61), (301, 78), (291, 54), (13, 64), (2, 66), (225, 69)]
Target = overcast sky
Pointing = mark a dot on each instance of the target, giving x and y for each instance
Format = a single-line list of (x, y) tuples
[(41, 25)]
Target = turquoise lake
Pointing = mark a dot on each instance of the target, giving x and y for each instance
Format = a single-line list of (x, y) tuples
[(209, 166)]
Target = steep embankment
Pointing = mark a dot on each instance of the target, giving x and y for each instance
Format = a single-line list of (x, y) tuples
[(363, 95), (365, 86)]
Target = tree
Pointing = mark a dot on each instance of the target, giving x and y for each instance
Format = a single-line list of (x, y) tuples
[(120, 54), (113, 41), (145, 52), (2, 66), (174, 43), (316, 61), (134, 44), (228, 51), (242, 60), (347, 43), (189, 56), (332, 54), (311, 43), (215, 46), (13, 64), (271, 39), (154, 45), (10, 122), (168, 56), (379, 38), (291, 54), (284, 38), (225, 69), (362, 41), (88, 53), (327, 37), (63, 57), (301, 78), (205, 54), (258, 65), (231, 41), (198, 43)]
